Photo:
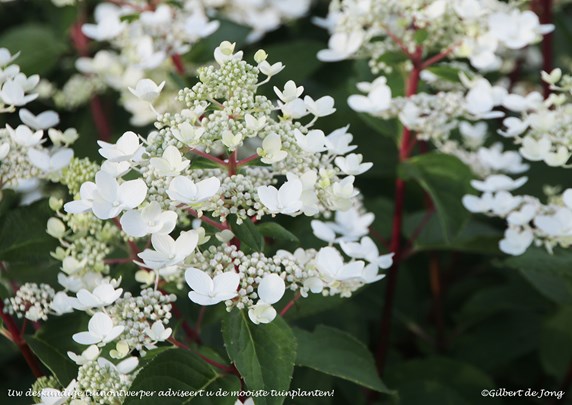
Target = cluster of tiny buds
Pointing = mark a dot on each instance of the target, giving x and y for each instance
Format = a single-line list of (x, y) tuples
[(32, 301)]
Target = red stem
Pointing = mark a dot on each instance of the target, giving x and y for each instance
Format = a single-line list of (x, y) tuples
[(208, 156), (192, 334), (232, 163), (20, 342), (212, 222), (247, 160), (290, 304), (178, 62), (404, 149)]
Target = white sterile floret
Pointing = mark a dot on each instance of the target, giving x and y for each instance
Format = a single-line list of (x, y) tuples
[(270, 70), (557, 224), (271, 151), (378, 97), (286, 200), (50, 162), (482, 98), (187, 134), (115, 169), (498, 182), (352, 164), (171, 163), (320, 108), (147, 90), (168, 251), (473, 134), (211, 291), (330, 264), (106, 197), (89, 354), (514, 127), (338, 142), (52, 396), (149, 220), (103, 295), (518, 103), (24, 136), (291, 92), (341, 46), (183, 189), (516, 242), (367, 249), (225, 52), (108, 23), (253, 123), (101, 330), (126, 148), (517, 29), (313, 142), (61, 303), (158, 332), (261, 313), (122, 368), (13, 93), (350, 225), (271, 288), (45, 120)]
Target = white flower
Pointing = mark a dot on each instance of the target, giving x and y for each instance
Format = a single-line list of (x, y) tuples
[(65, 138), (124, 367), (187, 134), (567, 197), (55, 228), (261, 313), (518, 103), (342, 45), (367, 249), (61, 303), (12, 93), (50, 162), (473, 134), (377, 100), (147, 90), (100, 330), (271, 288), (126, 148), (313, 142), (552, 77), (342, 193), (352, 164), (270, 70), (225, 52), (350, 224), (409, 115), (557, 224), (45, 120), (254, 124), (6, 57), (149, 220), (24, 136), (171, 163), (293, 109), (52, 396), (106, 197), (498, 182), (157, 332), (271, 151), (167, 251), (517, 29), (108, 24), (115, 169), (482, 98), (291, 92), (71, 265), (184, 190), (330, 264), (231, 140), (198, 25), (523, 216), (211, 291), (310, 202), (338, 142), (286, 200), (516, 242), (514, 127), (320, 108), (103, 295), (89, 354)]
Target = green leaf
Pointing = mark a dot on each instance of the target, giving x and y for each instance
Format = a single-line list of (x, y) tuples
[(248, 235), (40, 48), (446, 179), (448, 73), (263, 354), (182, 371), (556, 343), (383, 127), (56, 361), (202, 51), (334, 352), (276, 231), (461, 379), (548, 273)]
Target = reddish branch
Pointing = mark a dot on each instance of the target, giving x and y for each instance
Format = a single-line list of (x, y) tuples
[(207, 220), (290, 304), (546, 17), (179, 65), (18, 338)]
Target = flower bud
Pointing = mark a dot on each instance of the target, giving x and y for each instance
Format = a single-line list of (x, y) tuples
[(55, 228), (260, 56)]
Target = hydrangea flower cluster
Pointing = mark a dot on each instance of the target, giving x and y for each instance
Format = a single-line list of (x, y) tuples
[(24, 160), (146, 40), (479, 30)]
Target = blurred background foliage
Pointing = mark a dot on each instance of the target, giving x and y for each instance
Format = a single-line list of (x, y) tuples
[(466, 318)]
